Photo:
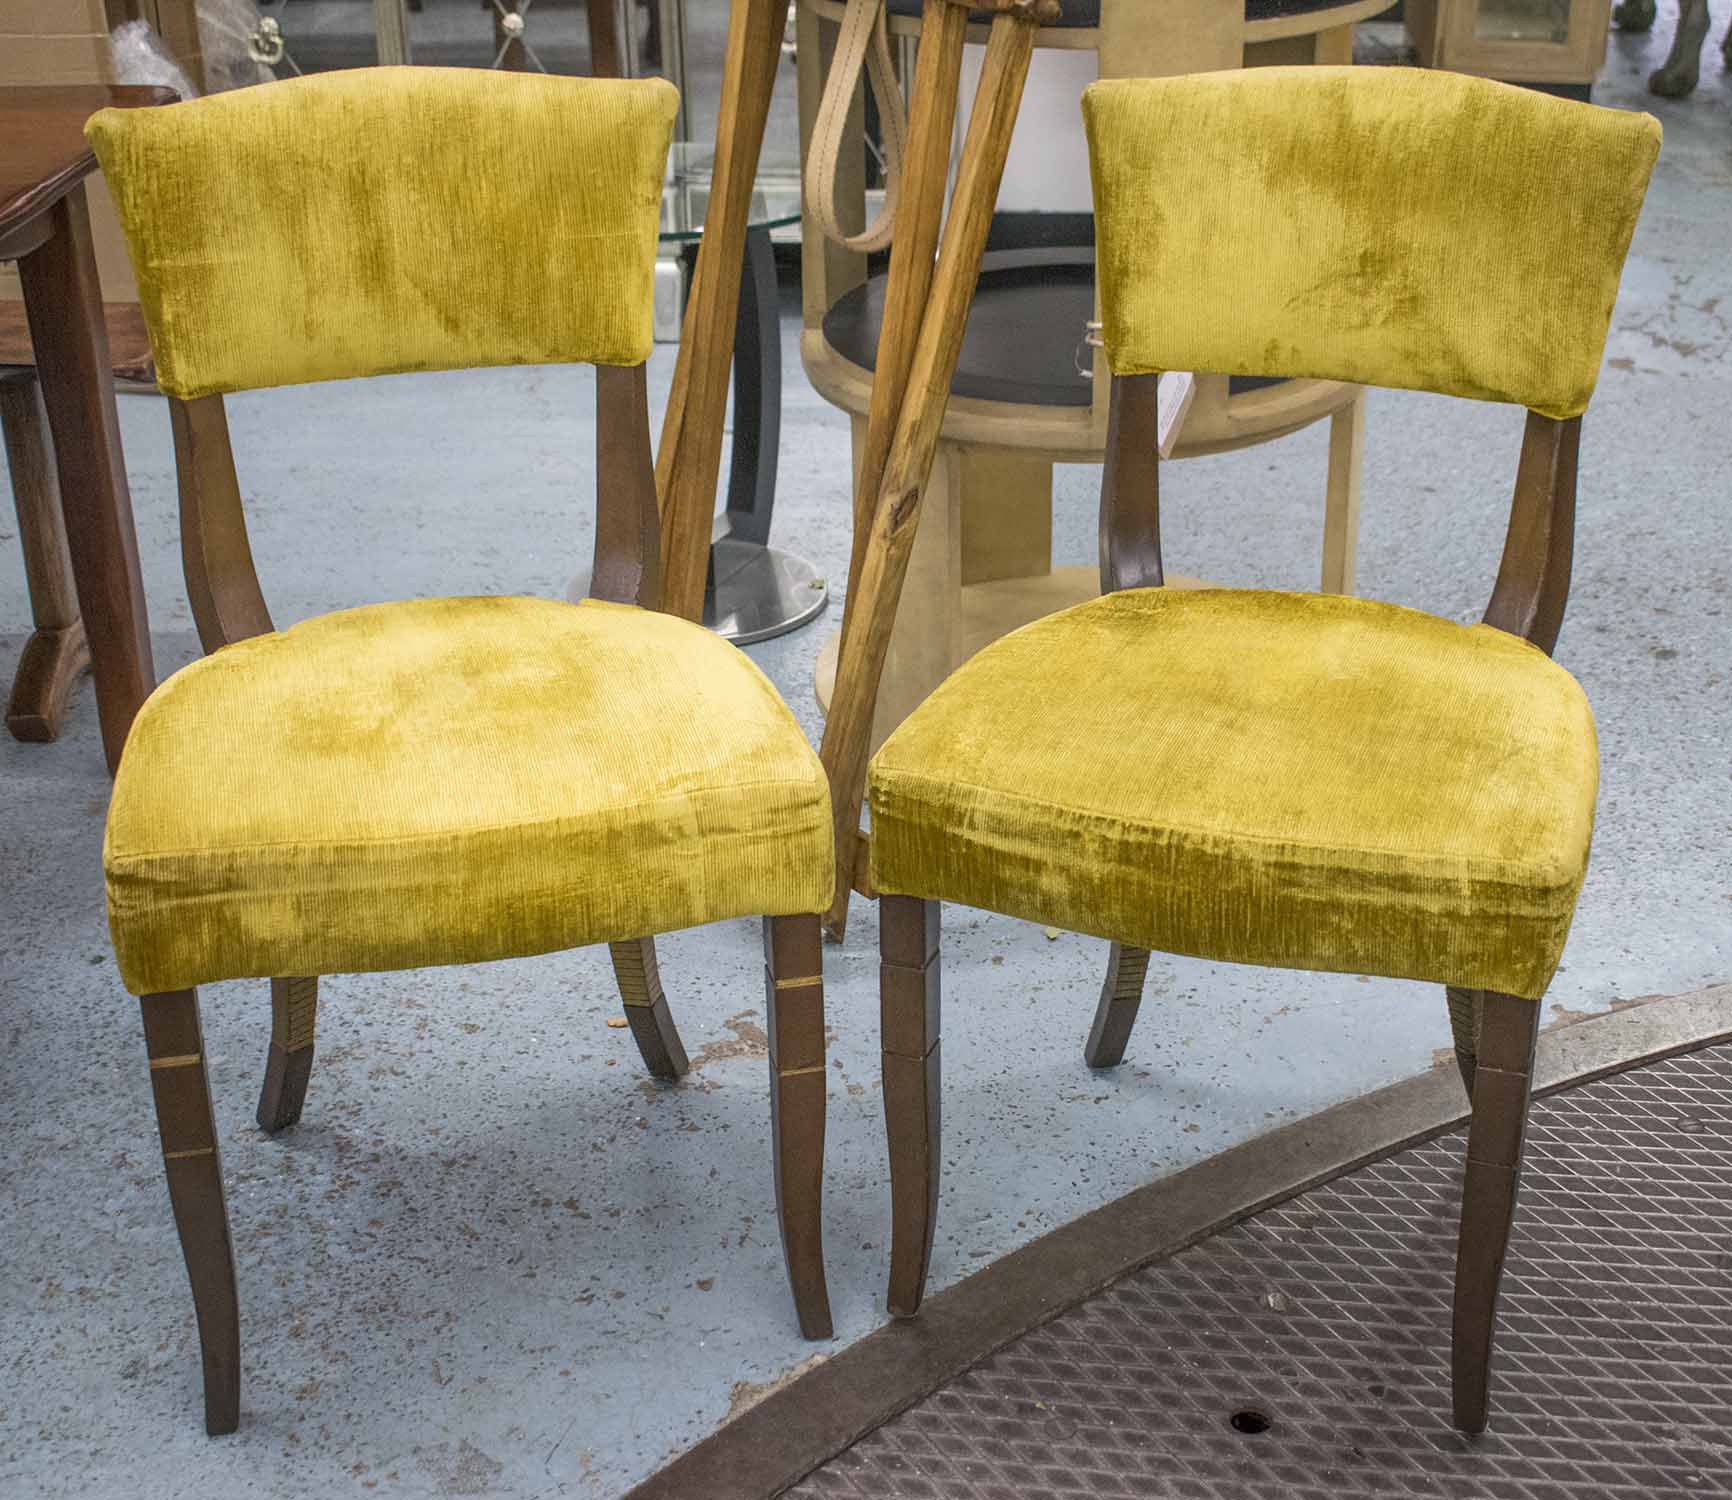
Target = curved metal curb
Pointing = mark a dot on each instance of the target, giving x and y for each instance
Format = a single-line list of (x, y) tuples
[(809, 1421)]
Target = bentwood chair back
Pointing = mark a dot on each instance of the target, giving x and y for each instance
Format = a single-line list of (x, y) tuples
[(1297, 780), (438, 781)]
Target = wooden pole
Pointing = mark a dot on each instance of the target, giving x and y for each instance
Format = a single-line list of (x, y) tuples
[(873, 601), (689, 461), (931, 122)]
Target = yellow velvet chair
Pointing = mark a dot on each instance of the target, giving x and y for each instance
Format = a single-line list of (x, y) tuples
[(440, 781), (1299, 780)]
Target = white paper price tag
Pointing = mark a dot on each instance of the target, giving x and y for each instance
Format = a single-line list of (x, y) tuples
[(1174, 395)]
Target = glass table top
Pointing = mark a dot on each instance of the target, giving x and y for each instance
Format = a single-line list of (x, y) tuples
[(686, 193)]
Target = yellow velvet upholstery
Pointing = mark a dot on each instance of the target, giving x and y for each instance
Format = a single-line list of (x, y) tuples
[(1308, 781), (1389, 226), (452, 780), (391, 219)]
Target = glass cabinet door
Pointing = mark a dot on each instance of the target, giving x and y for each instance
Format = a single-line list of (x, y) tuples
[(1546, 21), (536, 36), (542, 36), (1545, 42), (254, 41)]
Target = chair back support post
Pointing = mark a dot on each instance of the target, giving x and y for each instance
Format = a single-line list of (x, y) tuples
[(627, 519), (1533, 580), (1131, 488), (222, 582), (873, 601)]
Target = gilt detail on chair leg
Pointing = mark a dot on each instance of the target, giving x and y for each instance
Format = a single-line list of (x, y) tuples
[(1464, 1009), (646, 1007), (294, 1018), (175, 1043), (794, 1003), (909, 976), (1503, 1080), (1121, 998)]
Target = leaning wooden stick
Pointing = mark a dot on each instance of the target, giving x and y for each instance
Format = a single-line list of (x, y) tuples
[(873, 600), (689, 460), (943, 29)]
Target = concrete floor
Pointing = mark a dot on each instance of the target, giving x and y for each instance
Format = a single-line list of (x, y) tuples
[(496, 1260)]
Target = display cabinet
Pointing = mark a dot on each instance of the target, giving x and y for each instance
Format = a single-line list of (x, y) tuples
[(251, 41), (1557, 43)]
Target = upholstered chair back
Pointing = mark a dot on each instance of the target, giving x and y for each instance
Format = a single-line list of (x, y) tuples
[(1389, 226), (391, 219)]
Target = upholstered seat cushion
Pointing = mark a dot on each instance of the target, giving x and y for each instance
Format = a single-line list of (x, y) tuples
[(1299, 780), (451, 780)]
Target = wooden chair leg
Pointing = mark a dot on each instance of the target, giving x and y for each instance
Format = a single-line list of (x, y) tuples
[(1503, 1079), (175, 1043), (1121, 998), (909, 989), (794, 1003), (294, 1017), (56, 651), (646, 1007), (1464, 1009)]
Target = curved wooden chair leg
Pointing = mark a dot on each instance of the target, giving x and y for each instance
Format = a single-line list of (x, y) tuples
[(294, 1017), (175, 1043), (794, 1003), (646, 1007), (1121, 998), (1464, 1010), (1503, 1079), (909, 975)]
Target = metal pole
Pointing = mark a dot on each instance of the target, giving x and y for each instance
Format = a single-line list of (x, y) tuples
[(674, 60)]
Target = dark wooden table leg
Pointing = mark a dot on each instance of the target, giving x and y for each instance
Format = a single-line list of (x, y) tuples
[(55, 652), (64, 304), (754, 591), (757, 395), (607, 49)]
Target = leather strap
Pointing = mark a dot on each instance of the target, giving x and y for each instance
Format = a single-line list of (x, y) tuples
[(863, 46)]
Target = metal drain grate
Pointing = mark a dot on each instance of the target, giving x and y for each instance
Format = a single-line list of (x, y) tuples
[(1324, 1323)]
